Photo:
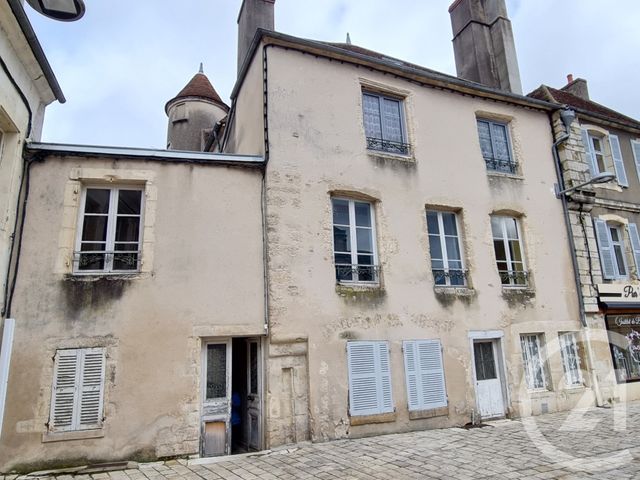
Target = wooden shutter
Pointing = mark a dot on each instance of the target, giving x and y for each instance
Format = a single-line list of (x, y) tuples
[(425, 374), (78, 389), (635, 243), (91, 388), (65, 379), (635, 147), (605, 250), (588, 149), (618, 162), (369, 378)]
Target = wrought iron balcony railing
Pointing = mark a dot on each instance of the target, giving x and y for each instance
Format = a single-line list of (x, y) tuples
[(454, 278), (501, 165), (388, 146), (107, 261), (518, 278), (358, 273)]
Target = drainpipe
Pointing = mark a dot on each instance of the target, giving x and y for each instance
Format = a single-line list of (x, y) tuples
[(567, 117)]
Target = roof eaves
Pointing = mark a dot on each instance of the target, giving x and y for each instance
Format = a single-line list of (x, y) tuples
[(36, 48), (432, 77), (179, 156)]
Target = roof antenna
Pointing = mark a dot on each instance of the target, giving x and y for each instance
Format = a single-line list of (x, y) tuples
[(348, 39), (201, 68)]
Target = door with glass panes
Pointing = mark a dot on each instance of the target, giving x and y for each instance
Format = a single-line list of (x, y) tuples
[(489, 391)]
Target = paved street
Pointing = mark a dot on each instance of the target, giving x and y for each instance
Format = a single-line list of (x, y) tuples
[(593, 444)]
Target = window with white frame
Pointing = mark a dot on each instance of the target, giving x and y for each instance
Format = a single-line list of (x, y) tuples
[(445, 249), (604, 154), (570, 359), (496, 146), (532, 355), (354, 241), (612, 250), (507, 244), (424, 371), (635, 148), (109, 234), (384, 123), (78, 389), (369, 378)]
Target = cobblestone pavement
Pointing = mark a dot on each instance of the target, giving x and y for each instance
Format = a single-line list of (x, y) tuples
[(592, 444)]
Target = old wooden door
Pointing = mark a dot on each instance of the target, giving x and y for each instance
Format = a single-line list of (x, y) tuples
[(489, 392)]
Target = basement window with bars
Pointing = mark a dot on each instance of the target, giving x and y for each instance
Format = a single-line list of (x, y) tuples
[(109, 234), (369, 378), (78, 390)]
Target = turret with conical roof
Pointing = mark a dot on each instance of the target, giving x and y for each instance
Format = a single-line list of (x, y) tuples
[(193, 113)]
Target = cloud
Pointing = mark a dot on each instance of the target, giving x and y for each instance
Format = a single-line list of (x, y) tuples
[(120, 64)]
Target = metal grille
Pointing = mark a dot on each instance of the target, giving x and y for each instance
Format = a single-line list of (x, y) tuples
[(503, 166), (513, 277), (388, 146)]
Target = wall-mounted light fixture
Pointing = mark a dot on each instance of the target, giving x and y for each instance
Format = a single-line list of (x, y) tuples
[(63, 10), (603, 177)]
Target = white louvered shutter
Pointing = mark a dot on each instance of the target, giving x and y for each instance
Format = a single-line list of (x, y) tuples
[(434, 392), (635, 243), (618, 162), (369, 378), (588, 148), (65, 379), (635, 147), (91, 389), (605, 250), (411, 374), (424, 374)]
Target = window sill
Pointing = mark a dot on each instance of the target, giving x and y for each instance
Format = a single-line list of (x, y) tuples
[(360, 291), (369, 419), (604, 186), (458, 291), (539, 392), (512, 176), (379, 155), (49, 437), (431, 413)]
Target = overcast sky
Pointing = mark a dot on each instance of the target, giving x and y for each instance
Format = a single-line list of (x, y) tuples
[(124, 59)]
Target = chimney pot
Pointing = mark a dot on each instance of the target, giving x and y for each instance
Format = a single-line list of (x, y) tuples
[(569, 78)]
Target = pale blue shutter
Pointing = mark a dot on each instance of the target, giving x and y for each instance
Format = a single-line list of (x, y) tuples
[(91, 388), (424, 370), (635, 147), (588, 149), (605, 250), (369, 378), (635, 243), (618, 162), (411, 374)]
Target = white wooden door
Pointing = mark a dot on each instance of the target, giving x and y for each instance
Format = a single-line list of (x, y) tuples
[(216, 399), (253, 420), (489, 394)]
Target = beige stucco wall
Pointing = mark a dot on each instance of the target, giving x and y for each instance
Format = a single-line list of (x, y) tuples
[(318, 147), (201, 277), (14, 118)]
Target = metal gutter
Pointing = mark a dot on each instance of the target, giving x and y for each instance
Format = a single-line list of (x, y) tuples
[(146, 154), (422, 75), (36, 48)]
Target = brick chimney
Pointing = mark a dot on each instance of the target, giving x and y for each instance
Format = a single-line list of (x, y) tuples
[(483, 44), (578, 87), (254, 14)]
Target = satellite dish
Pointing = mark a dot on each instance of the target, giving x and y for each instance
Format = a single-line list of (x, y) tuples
[(63, 10)]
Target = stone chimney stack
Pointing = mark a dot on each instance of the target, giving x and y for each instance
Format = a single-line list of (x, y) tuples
[(578, 87), (483, 44), (254, 14)]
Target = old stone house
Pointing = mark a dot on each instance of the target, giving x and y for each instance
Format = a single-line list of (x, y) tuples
[(356, 245), (604, 224)]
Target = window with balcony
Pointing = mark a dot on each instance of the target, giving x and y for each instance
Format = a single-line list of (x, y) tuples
[(507, 244), (445, 249), (496, 146), (354, 241), (109, 234), (384, 124)]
